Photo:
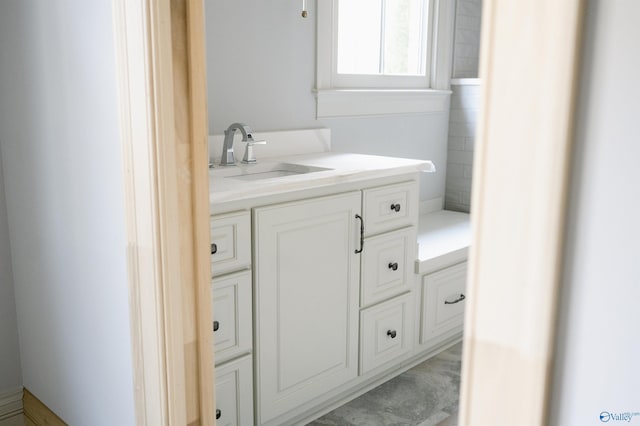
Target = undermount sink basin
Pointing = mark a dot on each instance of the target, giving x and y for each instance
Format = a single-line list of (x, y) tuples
[(250, 172)]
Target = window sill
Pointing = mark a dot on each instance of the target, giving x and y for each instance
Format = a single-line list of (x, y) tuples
[(370, 102)]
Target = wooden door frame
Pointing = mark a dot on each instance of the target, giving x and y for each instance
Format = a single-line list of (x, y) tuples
[(529, 69), (519, 202), (160, 61)]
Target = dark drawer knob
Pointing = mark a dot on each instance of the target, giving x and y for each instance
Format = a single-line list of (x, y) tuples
[(395, 207), (216, 325), (453, 302), (393, 266), (214, 248), (218, 414), (391, 333)]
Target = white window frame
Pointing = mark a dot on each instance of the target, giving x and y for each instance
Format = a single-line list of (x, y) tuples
[(341, 96), (382, 81)]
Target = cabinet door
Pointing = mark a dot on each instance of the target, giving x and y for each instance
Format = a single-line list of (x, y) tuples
[(443, 302), (387, 266), (390, 207), (306, 291), (386, 332), (232, 316), (234, 393), (230, 242)]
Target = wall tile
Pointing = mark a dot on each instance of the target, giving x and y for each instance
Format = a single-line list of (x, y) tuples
[(469, 8), (457, 143), (467, 38), (455, 171), (465, 101)]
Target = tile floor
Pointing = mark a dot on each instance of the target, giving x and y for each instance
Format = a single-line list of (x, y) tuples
[(426, 395)]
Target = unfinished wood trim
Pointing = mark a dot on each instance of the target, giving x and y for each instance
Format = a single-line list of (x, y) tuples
[(519, 190), (37, 413), (145, 85), (201, 228), (191, 131)]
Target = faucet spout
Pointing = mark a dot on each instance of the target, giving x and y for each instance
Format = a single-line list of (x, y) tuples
[(228, 158)]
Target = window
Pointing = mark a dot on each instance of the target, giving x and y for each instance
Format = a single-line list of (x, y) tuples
[(382, 43), (383, 56)]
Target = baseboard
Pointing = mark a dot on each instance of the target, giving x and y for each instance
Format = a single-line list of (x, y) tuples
[(38, 413), (10, 404)]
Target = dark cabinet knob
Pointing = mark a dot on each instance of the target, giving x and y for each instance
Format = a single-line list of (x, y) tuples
[(393, 266), (218, 414), (395, 207), (214, 248), (216, 325), (392, 333)]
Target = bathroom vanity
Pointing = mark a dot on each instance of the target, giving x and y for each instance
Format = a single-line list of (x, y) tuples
[(316, 294)]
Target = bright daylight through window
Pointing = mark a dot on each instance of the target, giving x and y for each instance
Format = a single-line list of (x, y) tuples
[(382, 37)]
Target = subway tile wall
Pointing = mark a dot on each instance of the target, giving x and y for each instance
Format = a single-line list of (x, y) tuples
[(467, 39), (465, 101)]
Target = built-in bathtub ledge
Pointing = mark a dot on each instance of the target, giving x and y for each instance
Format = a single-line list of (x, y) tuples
[(444, 238)]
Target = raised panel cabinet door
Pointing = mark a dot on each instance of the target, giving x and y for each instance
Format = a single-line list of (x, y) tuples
[(443, 302), (390, 207), (306, 291), (234, 393), (232, 316), (230, 242), (387, 266), (386, 332)]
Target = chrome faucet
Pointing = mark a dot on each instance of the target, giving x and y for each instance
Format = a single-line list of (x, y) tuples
[(228, 158)]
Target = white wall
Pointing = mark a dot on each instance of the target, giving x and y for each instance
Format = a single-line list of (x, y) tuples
[(10, 372), (64, 191), (597, 369), (261, 61)]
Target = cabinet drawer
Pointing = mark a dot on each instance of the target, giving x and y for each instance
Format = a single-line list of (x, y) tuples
[(443, 302), (232, 316), (230, 242), (387, 265), (386, 332), (234, 393), (390, 207)]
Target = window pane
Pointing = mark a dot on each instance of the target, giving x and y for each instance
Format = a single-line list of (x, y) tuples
[(382, 37), (359, 36), (403, 29)]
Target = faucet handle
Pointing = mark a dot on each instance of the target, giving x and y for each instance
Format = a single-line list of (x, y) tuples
[(249, 156)]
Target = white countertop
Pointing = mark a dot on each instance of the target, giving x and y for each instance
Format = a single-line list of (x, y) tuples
[(344, 168), (444, 238)]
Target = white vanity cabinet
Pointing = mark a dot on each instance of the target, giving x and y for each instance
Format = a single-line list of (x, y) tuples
[(334, 300), (314, 294), (232, 317), (306, 299)]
